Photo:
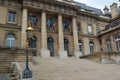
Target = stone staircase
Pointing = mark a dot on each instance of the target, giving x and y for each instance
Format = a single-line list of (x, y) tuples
[(54, 68), (104, 57), (7, 56)]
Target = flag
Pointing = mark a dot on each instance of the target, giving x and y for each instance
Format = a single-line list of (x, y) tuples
[(36, 22), (69, 26), (53, 25), (48, 23)]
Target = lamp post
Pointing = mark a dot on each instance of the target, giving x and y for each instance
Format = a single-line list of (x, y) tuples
[(27, 73)]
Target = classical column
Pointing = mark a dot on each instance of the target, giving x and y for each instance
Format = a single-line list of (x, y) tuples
[(44, 52), (77, 53), (24, 27), (62, 53)]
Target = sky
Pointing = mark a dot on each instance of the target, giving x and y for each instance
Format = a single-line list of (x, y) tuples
[(99, 3)]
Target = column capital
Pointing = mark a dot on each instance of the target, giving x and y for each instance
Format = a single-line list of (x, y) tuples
[(43, 11), (24, 7)]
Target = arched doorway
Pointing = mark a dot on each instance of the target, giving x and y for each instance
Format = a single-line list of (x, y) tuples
[(50, 45), (66, 46), (32, 44)]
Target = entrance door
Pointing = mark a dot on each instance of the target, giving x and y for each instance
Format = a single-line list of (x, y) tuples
[(66, 46), (50, 45)]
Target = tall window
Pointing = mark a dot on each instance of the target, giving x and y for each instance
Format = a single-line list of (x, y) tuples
[(97, 29), (90, 31), (66, 46), (50, 45), (32, 42), (11, 17), (10, 41), (78, 26), (117, 41), (109, 47), (80, 45), (91, 44)]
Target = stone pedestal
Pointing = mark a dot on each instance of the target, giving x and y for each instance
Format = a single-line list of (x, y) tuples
[(62, 54), (45, 53), (77, 54)]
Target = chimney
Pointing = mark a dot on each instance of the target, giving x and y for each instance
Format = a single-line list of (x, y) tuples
[(106, 10), (114, 10)]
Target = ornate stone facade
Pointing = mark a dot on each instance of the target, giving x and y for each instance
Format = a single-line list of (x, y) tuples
[(55, 23)]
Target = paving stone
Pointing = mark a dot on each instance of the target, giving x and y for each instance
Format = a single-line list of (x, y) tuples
[(73, 69)]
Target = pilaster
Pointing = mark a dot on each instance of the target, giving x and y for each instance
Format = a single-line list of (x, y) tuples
[(77, 53), (24, 27), (44, 52), (62, 53)]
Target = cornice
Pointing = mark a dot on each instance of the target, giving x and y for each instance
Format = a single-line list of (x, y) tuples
[(116, 18)]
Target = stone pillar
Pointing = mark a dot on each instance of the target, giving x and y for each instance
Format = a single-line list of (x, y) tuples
[(77, 53), (86, 45), (61, 53), (113, 44), (24, 27), (44, 52)]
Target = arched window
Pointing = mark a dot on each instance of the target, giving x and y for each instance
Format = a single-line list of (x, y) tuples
[(10, 40), (91, 44), (50, 45), (32, 42), (117, 41), (66, 46), (109, 47), (80, 45)]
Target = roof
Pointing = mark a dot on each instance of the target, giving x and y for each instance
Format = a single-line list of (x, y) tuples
[(88, 8), (112, 24)]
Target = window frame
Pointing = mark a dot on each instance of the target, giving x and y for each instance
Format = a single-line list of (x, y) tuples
[(9, 40), (88, 27), (91, 46), (117, 42), (109, 46), (79, 29), (11, 11)]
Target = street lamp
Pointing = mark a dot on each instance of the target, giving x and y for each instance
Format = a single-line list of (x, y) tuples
[(27, 73)]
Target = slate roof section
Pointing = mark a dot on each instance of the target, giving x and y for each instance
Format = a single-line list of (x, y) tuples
[(88, 8), (112, 24)]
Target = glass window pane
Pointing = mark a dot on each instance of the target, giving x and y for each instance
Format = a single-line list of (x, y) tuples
[(10, 41), (90, 29), (12, 17)]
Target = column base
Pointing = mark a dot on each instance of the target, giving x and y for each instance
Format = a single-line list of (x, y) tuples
[(62, 54), (77, 54), (45, 53)]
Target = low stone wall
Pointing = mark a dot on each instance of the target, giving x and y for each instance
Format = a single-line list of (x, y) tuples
[(104, 57)]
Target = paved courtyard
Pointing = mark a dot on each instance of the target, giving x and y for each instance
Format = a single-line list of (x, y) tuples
[(73, 69)]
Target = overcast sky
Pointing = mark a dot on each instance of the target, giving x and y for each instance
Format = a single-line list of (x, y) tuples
[(98, 3)]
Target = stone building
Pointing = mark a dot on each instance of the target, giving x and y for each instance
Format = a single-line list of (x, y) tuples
[(61, 27), (110, 36)]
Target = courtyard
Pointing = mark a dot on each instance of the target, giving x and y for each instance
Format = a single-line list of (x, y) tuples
[(73, 69)]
